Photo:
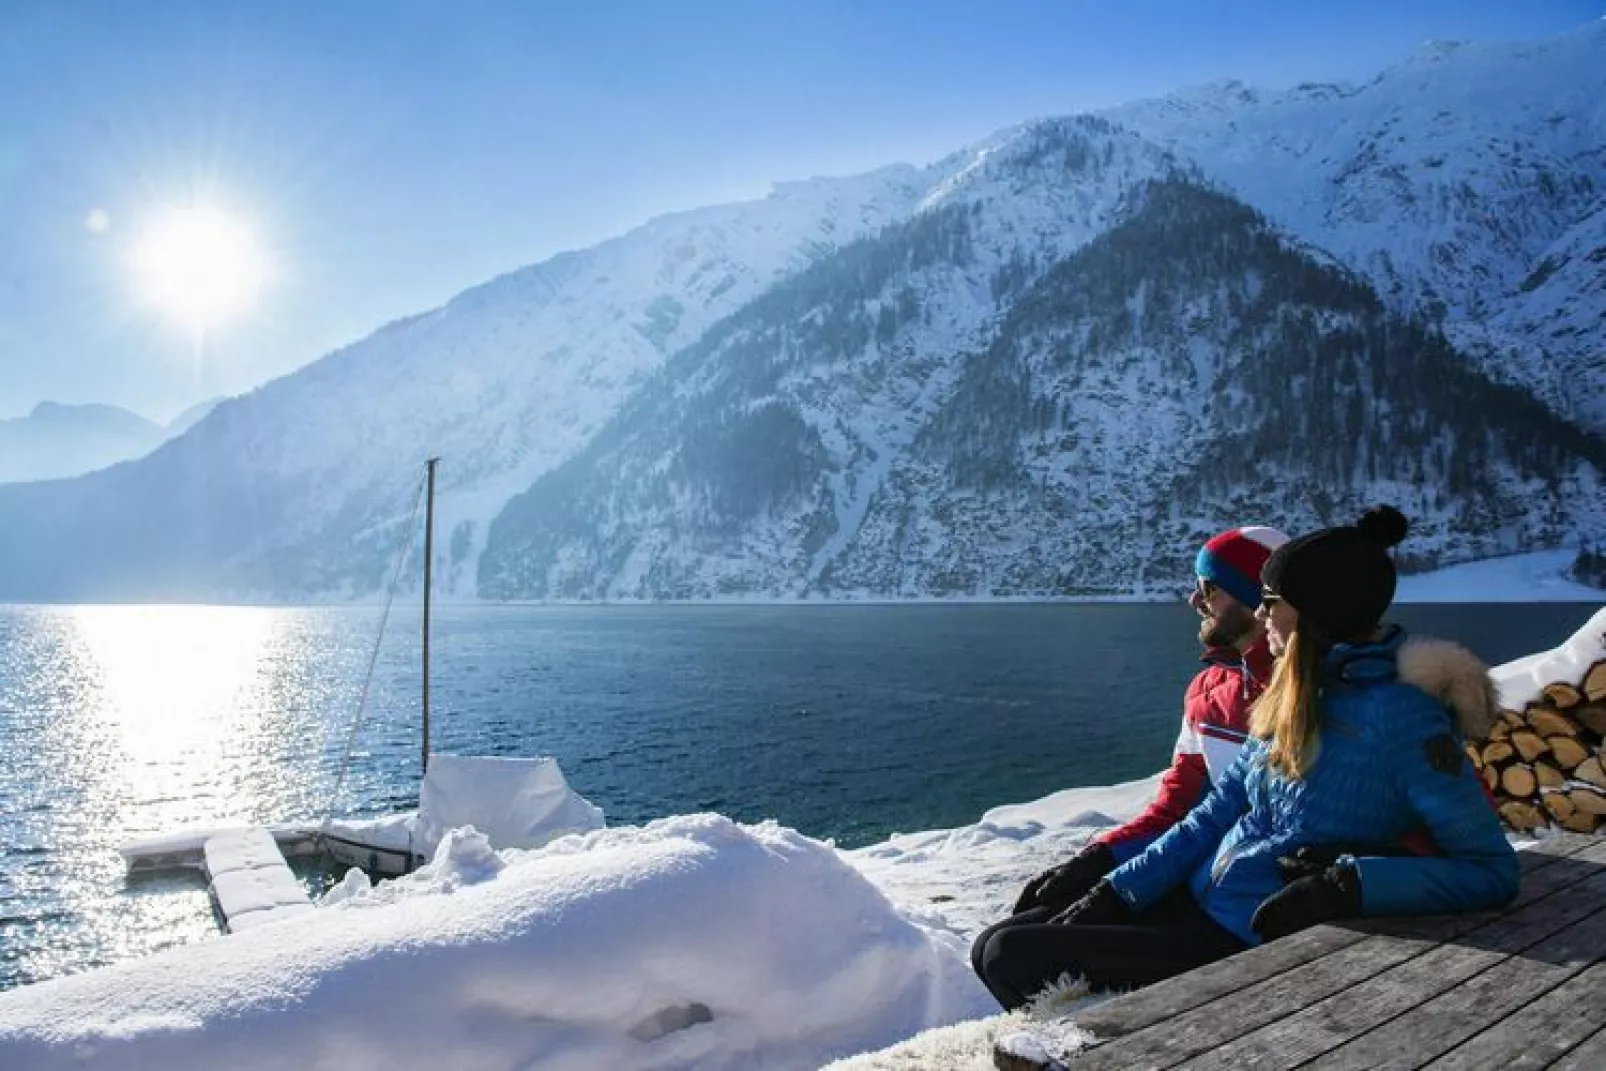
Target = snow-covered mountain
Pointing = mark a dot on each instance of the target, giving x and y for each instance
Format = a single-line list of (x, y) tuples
[(1071, 431), (1023, 368), (1467, 184)]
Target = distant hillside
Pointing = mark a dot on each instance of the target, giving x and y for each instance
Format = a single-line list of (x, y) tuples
[(57, 440)]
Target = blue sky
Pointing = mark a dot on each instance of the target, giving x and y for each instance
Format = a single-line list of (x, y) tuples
[(389, 155)]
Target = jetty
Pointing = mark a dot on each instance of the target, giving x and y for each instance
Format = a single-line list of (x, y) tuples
[(251, 883), (1520, 987), (246, 872)]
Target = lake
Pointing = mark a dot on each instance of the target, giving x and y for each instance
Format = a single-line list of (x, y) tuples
[(844, 721)]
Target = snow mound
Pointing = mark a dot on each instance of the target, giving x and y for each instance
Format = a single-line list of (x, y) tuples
[(693, 942), (1520, 682)]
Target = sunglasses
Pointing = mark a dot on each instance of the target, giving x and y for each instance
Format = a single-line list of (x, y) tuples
[(1270, 598), (1208, 589)]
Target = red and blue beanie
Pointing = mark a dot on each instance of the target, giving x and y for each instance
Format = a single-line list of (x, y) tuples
[(1233, 560)]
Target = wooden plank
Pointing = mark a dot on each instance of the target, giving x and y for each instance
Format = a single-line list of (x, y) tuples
[(1439, 1025), (1590, 1056), (1345, 1015), (1165, 1000), (1247, 997), (1539, 1034)]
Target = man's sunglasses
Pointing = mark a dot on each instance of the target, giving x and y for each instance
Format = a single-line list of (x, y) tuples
[(1270, 598)]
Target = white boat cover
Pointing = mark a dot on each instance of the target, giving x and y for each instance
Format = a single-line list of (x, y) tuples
[(516, 803)]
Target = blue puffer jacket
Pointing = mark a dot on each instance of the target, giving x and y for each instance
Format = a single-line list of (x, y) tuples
[(1376, 776)]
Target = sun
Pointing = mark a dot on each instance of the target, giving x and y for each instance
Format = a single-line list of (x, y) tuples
[(199, 266)]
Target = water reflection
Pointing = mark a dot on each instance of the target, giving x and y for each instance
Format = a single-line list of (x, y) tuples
[(167, 680), (118, 722)]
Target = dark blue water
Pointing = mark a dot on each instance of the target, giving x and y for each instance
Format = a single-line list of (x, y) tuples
[(849, 722)]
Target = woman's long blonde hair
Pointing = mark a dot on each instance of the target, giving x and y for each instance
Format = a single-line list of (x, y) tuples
[(1288, 714)]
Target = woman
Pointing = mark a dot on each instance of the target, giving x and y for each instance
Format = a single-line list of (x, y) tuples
[(1350, 746)]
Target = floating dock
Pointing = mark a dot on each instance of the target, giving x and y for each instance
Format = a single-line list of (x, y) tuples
[(250, 881)]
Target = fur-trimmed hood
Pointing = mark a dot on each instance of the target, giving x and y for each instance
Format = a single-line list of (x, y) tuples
[(1455, 677)]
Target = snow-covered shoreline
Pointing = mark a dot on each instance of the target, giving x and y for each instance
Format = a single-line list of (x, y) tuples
[(1532, 577)]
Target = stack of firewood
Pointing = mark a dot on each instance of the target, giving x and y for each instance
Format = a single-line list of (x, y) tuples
[(1545, 764)]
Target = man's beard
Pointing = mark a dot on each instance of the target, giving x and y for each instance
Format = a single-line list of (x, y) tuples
[(1227, 628)]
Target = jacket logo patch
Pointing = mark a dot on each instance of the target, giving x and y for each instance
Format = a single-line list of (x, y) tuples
[(1444, 754)]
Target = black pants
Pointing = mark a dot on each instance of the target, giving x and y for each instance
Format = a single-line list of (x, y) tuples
[(1021, 955)]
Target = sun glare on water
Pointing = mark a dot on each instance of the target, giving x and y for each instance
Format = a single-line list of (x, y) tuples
[(199, 266)]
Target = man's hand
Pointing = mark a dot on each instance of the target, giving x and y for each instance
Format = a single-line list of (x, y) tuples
[(1102, 906), (1067, 883), (1334, 893)]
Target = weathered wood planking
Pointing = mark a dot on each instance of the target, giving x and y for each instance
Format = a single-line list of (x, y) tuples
[(1257, 989), (1164, 1001), (1589, 1056), (1574, 893), (1543, 1032), (1463, 1011)]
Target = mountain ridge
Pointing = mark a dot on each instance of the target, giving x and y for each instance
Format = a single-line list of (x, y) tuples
[(300, 490)]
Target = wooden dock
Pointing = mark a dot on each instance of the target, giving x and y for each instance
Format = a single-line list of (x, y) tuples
[(251, 883), (1520, 988)]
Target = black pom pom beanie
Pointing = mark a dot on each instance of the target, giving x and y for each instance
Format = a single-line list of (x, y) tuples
[(1341, 580)]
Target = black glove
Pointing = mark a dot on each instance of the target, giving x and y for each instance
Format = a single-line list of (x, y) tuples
[(1067, 883), (1102, 906), (1312, 859), (1334, 893)]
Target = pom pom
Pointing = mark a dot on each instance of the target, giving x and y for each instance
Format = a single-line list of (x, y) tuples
[(1383, 525)]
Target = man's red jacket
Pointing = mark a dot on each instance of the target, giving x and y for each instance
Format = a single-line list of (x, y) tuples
[(1215, 723)]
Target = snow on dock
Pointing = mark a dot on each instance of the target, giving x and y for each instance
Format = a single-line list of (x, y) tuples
[(251, 882), (244, 866)]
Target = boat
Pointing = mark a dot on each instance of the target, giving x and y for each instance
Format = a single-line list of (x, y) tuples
[(513, 802)]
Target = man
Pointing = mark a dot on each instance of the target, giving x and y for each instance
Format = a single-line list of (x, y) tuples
[(1215, 712)]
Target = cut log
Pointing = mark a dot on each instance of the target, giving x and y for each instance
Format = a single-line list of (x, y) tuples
[(1563, 695), (1529, 744), (1582, 822), (1518, 779), (1588, 798), (1499, 731), (1475, 755), (1592, 717), (1590, 770), (1559, 804), (1522, 817), (1548, 776), (1548, 722), (1498, 751), (1491, 777), (1594, 685), (1511, 719), (1567, 752)]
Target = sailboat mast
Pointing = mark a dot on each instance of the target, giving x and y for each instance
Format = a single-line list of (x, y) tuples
[(429, 561)]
